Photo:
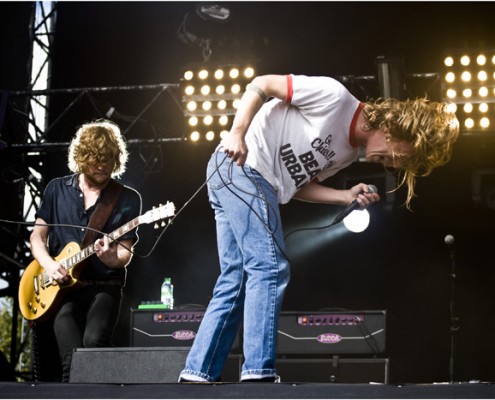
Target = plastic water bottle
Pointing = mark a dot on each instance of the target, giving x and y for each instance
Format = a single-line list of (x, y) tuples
[(167, 293)]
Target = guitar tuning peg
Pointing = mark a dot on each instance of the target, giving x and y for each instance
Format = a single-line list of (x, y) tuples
[(163, 224), (156, 226)]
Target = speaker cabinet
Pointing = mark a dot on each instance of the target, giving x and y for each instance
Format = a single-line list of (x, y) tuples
[(138, 365), (334, 370)]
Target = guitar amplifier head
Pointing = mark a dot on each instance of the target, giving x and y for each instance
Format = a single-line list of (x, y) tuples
[(166, 328), (331, 333)]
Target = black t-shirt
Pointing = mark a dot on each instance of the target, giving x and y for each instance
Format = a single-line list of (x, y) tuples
[(63, 204)]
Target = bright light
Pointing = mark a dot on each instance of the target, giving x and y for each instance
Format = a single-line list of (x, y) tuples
[(210, 135), (194, 136), (484, 122), (466, 76), (212, 89), (482, 76), (219, 74), (234, 73), (481, 59), (191, 106), (451, 93), (468, 81), (469, 123), (249, 72), (220, 89), (189, 90), (357, 221)]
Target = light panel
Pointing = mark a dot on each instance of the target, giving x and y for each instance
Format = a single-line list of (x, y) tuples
[(468, 84), (210, 98)]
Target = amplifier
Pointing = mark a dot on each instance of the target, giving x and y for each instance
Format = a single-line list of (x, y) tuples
[(348, 332), (166, 328)]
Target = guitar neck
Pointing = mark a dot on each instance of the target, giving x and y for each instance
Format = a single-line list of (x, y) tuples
[(81, 255)]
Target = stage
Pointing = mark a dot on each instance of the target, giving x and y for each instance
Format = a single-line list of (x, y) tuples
[(293, 390)]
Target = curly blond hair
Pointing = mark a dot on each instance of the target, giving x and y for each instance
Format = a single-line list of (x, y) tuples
[(429, 126), (98, 142)]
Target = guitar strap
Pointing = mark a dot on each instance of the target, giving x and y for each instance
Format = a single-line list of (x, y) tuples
[(102, 211)]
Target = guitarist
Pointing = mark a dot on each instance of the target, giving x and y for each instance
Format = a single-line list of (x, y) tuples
[(89, 310)]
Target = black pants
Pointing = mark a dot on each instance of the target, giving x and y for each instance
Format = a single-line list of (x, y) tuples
[(86, 318)]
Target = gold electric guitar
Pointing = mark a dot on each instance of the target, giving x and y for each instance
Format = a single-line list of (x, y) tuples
[(39, 295)]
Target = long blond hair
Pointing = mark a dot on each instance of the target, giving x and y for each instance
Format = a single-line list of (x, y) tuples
[(99, 141), (429, 126)]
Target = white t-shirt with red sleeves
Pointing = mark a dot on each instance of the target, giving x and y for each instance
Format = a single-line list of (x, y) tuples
[(305, 137)]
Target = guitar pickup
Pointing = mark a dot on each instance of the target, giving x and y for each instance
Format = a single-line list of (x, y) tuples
[(36, 285)]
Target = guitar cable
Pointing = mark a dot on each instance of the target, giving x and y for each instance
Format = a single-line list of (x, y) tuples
[(134, 253)]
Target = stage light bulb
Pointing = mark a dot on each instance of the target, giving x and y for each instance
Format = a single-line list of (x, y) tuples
[(451, 93), (449, 61), (483, 107), (203, 74), (210, 135), (481, 59), (208, 120), (193, 121), (482, 76), (191, 106), (205, 90), (450, 77), (189, 90), (220, 89), (207, 105), (467, 93), (468, 107), (222, 105), (465, 60), (483, 91), (466, 76), (219, 74), (188, 75), (223, 120), (194, 136), (452, 108), (484, 122), (236, 89), (249, 72), (469, 123), (234, 73)]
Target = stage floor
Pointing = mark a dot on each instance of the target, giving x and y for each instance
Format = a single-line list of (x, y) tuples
[(12, 390)]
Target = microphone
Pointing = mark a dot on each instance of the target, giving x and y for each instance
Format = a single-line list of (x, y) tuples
[(449, 240), (353, 206)]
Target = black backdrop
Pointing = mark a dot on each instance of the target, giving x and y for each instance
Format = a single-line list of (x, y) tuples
[(400, 263)]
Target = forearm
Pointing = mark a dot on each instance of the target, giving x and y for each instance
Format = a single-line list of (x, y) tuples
[(316, 193)]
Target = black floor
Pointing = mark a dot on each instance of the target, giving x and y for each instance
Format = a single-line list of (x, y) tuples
[(13, 390)]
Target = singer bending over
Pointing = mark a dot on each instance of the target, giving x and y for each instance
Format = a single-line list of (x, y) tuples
[(281, 149), (88, 314)]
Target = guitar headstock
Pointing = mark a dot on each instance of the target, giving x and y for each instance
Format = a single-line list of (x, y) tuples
[(158, 213)]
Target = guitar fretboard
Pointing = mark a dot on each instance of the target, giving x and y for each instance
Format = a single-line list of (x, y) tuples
[(69, 262)]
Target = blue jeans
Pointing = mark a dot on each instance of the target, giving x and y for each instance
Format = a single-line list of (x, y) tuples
[(254, 275)]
